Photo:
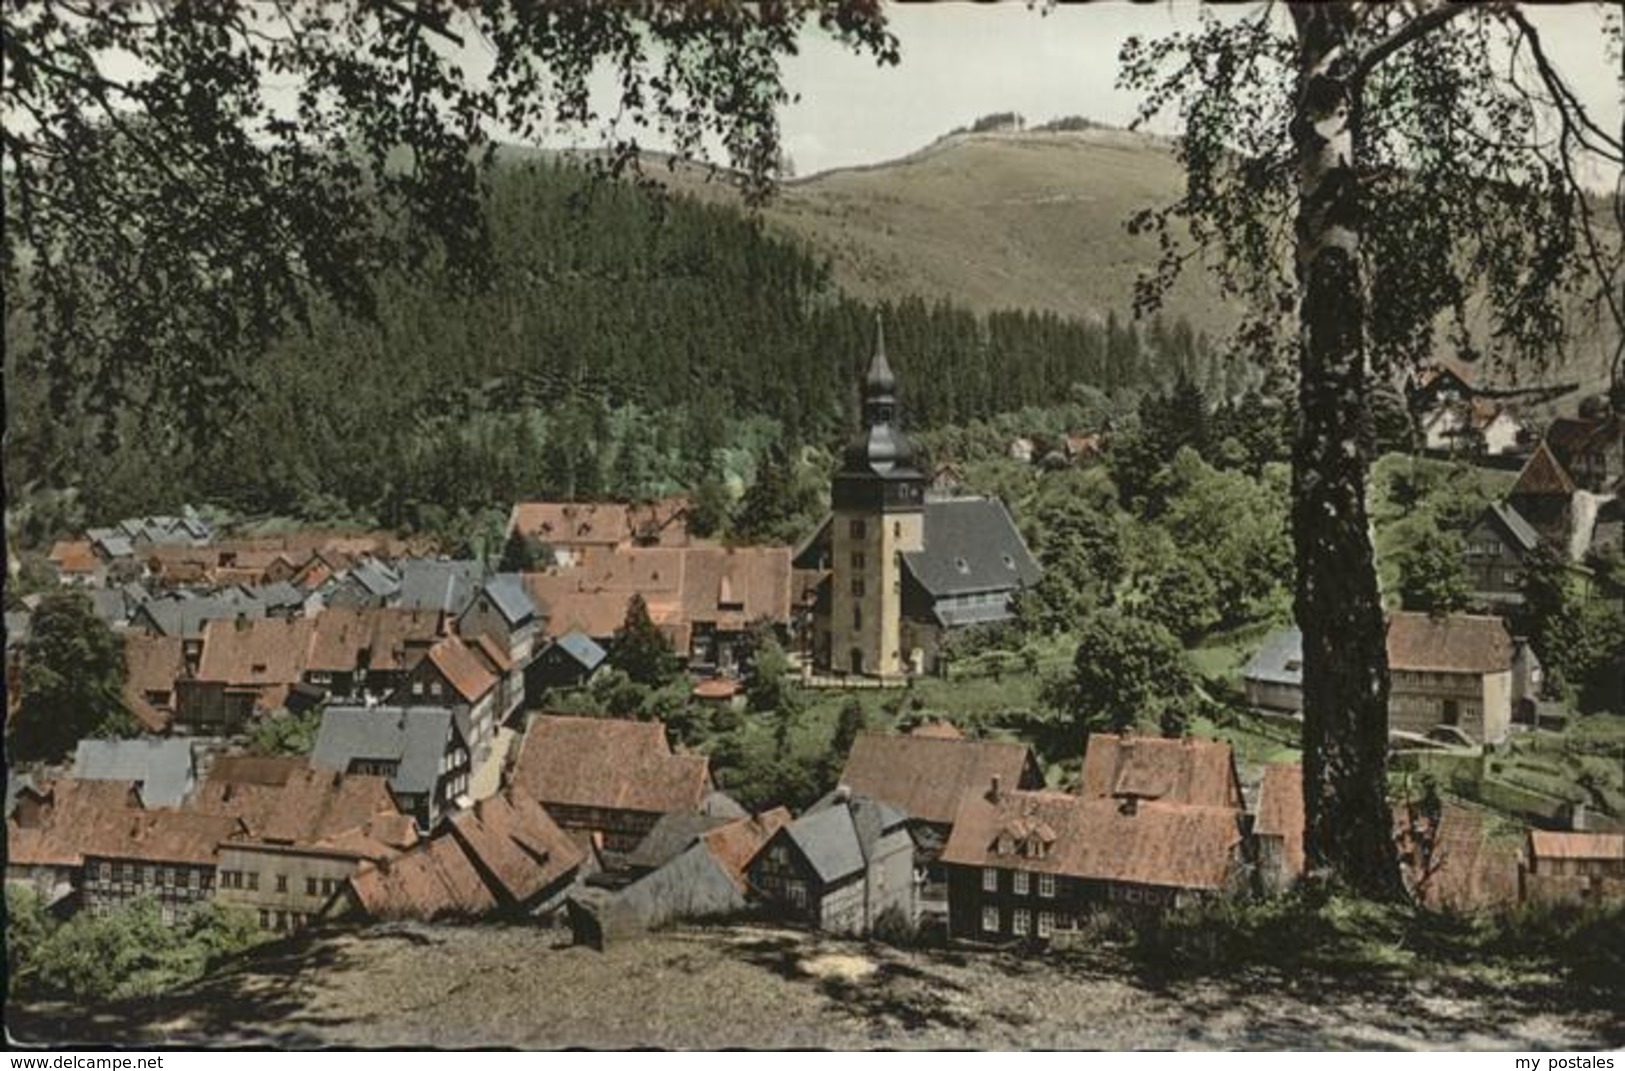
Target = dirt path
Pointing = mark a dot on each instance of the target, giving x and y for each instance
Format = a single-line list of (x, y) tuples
[(758, 987)]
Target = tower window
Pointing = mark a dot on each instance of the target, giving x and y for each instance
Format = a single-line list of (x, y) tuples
[(858, 530), (897, 529), (857, 617), (858, 560), (857, 586)]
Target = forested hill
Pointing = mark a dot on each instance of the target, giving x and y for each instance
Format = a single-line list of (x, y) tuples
[(628, 346)]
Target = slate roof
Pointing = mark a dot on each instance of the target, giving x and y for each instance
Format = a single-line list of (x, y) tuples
[(415, 737), (508, 595), (925, 775), (1168, 845), (611, 763), (376, 577), (1459, 643), (971, 544), (110, 605), (1279, 661), (164, 768), (582, 648), (1512, 525), (434, 584), (186, 615), (670, 836), (1187, 771), (736, 843), (837, 836)]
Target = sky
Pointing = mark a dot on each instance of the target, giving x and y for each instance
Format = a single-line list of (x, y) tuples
[(962, 60)]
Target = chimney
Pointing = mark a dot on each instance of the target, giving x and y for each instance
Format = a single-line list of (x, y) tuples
[(843, 793), (994, 794)]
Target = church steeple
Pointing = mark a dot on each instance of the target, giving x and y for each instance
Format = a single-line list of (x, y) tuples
[(878, 464)]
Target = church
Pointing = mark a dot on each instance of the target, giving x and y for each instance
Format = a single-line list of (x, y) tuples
[(904, 567)]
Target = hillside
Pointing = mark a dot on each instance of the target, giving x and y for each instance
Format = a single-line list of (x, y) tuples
[(1032, 220), (997, 221)]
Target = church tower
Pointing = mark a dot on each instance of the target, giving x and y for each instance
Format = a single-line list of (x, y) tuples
[(878, 516)]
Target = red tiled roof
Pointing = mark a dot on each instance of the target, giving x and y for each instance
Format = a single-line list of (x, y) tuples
[(68, 814), (572, 524), (1189, 771), (1459, 643), (468, 676), (152, 664), (256, 769), (161, 836), (1600, 846), (734, 845), (1543, 474), (611, 763), (1169, 845), (717, 688), (265, 651), (1280, 812), (1470, 871), (435, 880), (515, 841), (74, 556), (927, 776)]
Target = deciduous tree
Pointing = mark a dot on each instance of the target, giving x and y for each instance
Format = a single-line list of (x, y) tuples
[(1357, 173)]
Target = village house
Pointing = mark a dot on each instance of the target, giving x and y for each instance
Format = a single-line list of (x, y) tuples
[(1278, 827), (170, 856), (152, 665), (247, 669), (1156, 824), (567, 662), (1497, 547), (1273, 677), (505, 856), (1032, 866), (690, 866), (608, 779), (464, 677), (164, 771), (1575, 867), (575, 532), (446, 585), (76, 564), (1473, 427), (183, 614), (370, 583), (423, 751), (304, 839), (358, 654), (904, 569), (840, 867), (925, 775), (503, 623), (47, 828), (1463, 673)]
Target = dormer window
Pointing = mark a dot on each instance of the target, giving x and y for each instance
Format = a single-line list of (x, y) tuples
[(962, 565), (1009, 563)]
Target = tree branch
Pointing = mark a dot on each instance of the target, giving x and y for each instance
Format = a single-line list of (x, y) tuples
[(1418, 27)]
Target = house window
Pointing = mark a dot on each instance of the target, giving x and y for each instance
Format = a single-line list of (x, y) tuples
[(265, 919), (254, 880), (1046, 923), (1021, 923), (990, 879), (1021, 882), (779, 855), (858, 530), (282, 883), (990, 920), (310, 886), (417, 687), (1046, 885), (434, 688), (797, 891)]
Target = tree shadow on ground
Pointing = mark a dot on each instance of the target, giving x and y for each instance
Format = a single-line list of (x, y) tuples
[(258, 999)]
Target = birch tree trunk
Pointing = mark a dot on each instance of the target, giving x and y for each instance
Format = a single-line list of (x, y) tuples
[(1338, 607)]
